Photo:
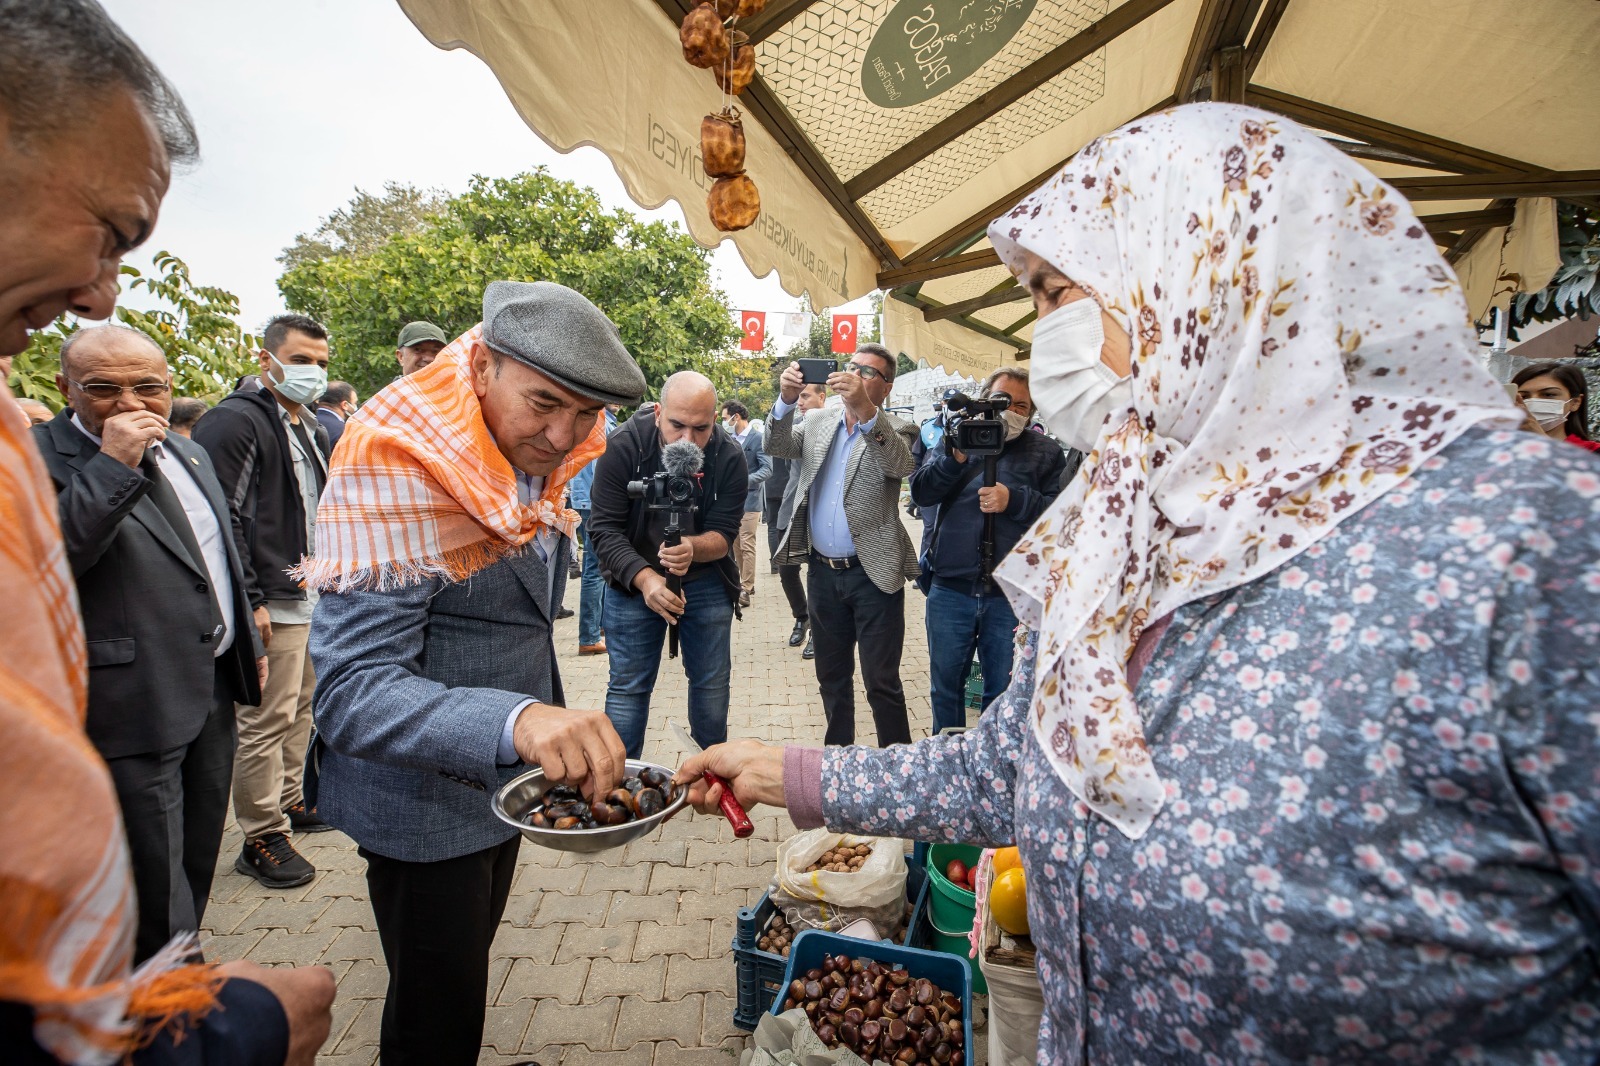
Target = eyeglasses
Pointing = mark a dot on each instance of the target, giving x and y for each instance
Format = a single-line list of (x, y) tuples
[(868, 372), (104, 390)]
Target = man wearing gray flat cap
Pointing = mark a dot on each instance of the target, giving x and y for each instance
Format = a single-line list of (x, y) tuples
[(441, 567)]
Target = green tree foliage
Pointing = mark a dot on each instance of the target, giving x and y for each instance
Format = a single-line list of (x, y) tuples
[(649, 277), (1575, 288), (363, 225), (193, 324)]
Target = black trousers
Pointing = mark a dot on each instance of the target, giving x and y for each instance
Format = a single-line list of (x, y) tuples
[(788, 576), (174, 805), (795, 589), (436, 921), (847, 610)]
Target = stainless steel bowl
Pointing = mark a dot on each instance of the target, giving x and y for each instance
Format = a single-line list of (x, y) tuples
[(519, 796)]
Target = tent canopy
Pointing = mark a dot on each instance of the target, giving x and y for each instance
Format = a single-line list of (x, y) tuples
[(885, 134)]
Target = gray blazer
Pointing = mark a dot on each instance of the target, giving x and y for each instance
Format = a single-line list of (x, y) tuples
[(877, 464), (414, 686), (759, 467)]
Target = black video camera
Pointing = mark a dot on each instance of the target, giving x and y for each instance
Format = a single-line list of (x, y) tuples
[(675, 492), (665, 492), (974, 426)]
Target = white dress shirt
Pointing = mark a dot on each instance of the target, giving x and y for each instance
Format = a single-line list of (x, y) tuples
[(202, 523)]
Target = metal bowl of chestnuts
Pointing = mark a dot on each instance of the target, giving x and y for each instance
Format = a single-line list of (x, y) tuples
[(558, 816)]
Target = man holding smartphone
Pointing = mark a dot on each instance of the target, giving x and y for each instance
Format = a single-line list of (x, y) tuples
[(846, 524)]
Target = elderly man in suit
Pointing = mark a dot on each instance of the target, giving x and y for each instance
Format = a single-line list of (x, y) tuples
[(436, 671), (736, 420), (161, 582), (846, 524)]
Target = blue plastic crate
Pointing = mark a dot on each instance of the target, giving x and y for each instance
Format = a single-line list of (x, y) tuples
[(947, 971), (757, 973)]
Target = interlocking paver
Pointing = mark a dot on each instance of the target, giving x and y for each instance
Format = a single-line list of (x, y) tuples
[(641, 1019), (618, 958), (353, 944), (644, 979), (562, 981), (614, 940), (686, 976), (688, 937), (589, 1024)]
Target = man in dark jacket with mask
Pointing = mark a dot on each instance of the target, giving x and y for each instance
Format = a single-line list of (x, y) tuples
[(628, 539), (964, 609), (271, 456)]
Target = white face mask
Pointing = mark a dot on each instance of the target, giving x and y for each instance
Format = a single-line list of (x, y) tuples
[(1073, 391), (1015, 424), (1548, 413), (301, 384)]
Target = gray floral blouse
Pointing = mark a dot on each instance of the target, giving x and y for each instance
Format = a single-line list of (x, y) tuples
[(1381, 839)]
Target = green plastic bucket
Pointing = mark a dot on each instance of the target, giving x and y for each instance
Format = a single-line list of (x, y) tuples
[(956, 944), (950, 907)]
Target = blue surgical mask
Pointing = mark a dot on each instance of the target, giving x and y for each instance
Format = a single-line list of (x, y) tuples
[(301, 384)]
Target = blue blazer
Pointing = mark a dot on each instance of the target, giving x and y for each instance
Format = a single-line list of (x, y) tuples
[(414, 686), (757, 462)]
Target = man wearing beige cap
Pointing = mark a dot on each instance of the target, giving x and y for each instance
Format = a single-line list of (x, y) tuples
[(420, 344), (437, 677)]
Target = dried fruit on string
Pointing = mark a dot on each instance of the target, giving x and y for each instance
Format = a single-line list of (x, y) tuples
[(735, 76), (722, 144), (705, 43), (733, 203), (740, 8)]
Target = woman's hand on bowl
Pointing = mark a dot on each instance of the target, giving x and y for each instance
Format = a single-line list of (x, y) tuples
[(752, 769)]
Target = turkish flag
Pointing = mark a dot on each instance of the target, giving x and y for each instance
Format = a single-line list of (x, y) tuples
[(754, 324), (844, 334)]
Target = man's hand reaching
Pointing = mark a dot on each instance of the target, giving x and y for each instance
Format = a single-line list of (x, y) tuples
[(579, 748)]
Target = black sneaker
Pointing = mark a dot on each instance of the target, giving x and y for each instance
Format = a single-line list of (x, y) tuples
[(304, 821), (565, 612), (273, 861), (799, 634), (810, 652)]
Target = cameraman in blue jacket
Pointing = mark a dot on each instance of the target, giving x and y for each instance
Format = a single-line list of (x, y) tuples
[(965, 610)]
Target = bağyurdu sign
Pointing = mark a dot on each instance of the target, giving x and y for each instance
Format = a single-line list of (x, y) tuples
[(924, 47)]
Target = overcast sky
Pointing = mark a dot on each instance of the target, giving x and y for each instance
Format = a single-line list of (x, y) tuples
[(298, 102)]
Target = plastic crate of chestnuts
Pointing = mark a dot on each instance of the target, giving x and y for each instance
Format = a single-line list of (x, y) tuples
[(763, 941), (882, 1001)]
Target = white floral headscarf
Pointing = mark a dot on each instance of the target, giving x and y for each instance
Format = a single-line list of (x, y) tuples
[(1299, 347)]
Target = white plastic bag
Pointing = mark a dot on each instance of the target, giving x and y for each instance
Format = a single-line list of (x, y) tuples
[(1016, 1000), (828, 900)]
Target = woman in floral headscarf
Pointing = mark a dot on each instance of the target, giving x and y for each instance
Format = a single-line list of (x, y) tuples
[(1302, 767)]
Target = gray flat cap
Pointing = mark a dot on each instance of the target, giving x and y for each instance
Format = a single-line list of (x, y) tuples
[(559, 333)]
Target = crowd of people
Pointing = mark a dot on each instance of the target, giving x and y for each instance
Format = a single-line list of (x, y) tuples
[(1288, 657)]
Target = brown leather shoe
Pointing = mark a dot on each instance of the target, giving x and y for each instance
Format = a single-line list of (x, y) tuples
[(593, 649)]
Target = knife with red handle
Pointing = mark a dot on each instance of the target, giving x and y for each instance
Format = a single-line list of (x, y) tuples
[(732, 809)]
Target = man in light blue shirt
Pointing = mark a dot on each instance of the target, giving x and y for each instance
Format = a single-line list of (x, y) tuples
[(846, 524)]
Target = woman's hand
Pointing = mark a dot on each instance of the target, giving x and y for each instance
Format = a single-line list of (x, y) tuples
[(752, 769)]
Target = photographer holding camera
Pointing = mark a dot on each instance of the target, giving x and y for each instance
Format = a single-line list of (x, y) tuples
[(965, 609), (667, 468)]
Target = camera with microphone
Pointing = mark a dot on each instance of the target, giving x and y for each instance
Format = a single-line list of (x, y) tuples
[(674, 491), (973, 426)]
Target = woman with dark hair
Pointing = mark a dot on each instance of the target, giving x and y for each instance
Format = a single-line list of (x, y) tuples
[(1556, 396)]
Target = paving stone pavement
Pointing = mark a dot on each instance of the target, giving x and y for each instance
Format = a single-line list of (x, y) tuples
[(621, 957)]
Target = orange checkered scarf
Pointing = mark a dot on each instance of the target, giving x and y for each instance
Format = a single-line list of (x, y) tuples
[(418, 488), (66, 890)]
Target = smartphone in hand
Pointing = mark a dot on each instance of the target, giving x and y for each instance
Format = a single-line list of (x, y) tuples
[(816, 371)]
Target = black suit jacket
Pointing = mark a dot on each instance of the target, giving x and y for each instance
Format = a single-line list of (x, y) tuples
[(147, 606)]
